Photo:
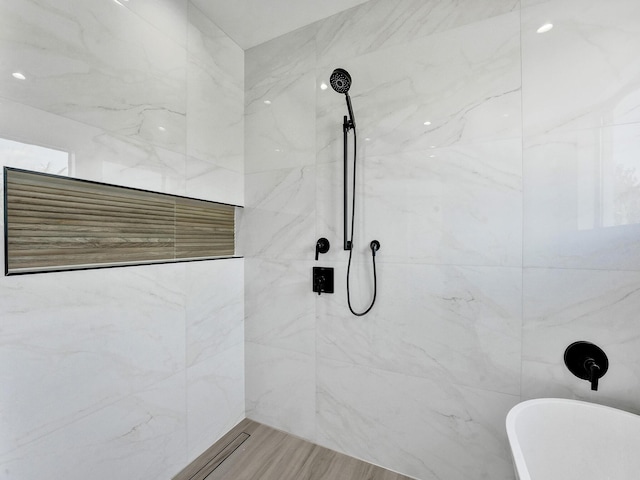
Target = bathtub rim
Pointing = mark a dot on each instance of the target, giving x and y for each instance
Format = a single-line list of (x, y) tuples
[(519, 462)]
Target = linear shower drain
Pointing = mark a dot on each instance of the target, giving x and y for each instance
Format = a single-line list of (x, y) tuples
[(220, 457)]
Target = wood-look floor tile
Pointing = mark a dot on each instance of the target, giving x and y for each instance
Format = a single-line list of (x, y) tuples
[(269, 454)]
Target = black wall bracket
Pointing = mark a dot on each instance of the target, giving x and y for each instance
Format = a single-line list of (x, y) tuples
[(322, 280), (322, 246)]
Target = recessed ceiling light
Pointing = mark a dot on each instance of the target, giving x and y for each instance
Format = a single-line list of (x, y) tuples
[(545, 28), (18, 75), (162, 129), (323, 86), (427, 123), (267, 102), (367, 139)]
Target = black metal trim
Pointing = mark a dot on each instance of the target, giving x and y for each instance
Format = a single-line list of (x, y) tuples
[(120, 265), (6, 226), (346, 126)]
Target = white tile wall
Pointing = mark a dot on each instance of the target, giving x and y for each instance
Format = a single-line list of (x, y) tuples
[(138, 437), (126, 372), (269, 285), (420, 426), (215, 398), (281, 388), (508, 229), (580, 74), (458, 324), (508, 225), (582, 201), (565, 305)]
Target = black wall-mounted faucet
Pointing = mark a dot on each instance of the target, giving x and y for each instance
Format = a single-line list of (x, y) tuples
[(587, 361)]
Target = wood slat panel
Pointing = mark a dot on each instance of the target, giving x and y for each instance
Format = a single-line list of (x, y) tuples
[(201, 229), (63, 222)]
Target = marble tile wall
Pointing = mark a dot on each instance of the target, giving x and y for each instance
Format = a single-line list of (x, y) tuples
[(508, 224), (126, 372), (581, 99)]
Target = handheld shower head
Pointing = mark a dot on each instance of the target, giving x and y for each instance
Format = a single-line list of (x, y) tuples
[(341, 82)]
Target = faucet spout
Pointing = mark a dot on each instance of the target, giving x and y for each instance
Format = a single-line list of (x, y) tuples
[(594, 371)]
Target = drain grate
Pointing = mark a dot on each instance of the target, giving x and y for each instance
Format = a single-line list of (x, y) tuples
[(220, 457)]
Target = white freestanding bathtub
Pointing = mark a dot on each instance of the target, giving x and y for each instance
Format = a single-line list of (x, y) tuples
[(558, 439)]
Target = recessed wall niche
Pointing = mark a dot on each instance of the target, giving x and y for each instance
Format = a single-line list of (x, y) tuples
[(55, 223)]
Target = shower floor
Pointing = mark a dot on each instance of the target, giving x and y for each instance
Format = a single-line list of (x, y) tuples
[(252, 451)]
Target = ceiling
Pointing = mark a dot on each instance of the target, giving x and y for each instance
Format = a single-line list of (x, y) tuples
[(252, 22)]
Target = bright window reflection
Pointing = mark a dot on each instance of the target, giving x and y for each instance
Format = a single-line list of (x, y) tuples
[(33, 157), (609, 181)]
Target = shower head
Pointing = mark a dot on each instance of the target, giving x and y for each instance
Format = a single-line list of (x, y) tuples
[(340, 80)]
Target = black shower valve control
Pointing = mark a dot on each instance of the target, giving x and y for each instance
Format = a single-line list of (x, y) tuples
[(322, 280), (322, 246)]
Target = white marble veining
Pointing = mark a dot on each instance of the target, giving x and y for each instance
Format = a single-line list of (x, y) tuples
[(421, 384), (369, 418), (215, 399), (270, 234), (455, 205), (269, 286), (140, 437), (80, 342), (381, 23), (253, 22), (137, 164), (122, 372), (581, 73), (467, 90), (280, 120), (33, 157), (288, 56), (97, 63), (287, 190), (530, 3), (444, 199), (448, 324), (95, 154), (206, 180), (211, 47), (215, 118), (168, 16), (562, 306), (281, 389), (214, 307), (215, 110), (582, 199), (484, 148)]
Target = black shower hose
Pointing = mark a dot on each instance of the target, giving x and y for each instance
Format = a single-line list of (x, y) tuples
[(373, 254)]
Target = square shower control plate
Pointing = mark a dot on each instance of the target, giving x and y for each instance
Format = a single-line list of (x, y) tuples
[(322, 280)]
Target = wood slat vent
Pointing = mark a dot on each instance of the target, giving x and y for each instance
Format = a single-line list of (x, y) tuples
[(60, 223)]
